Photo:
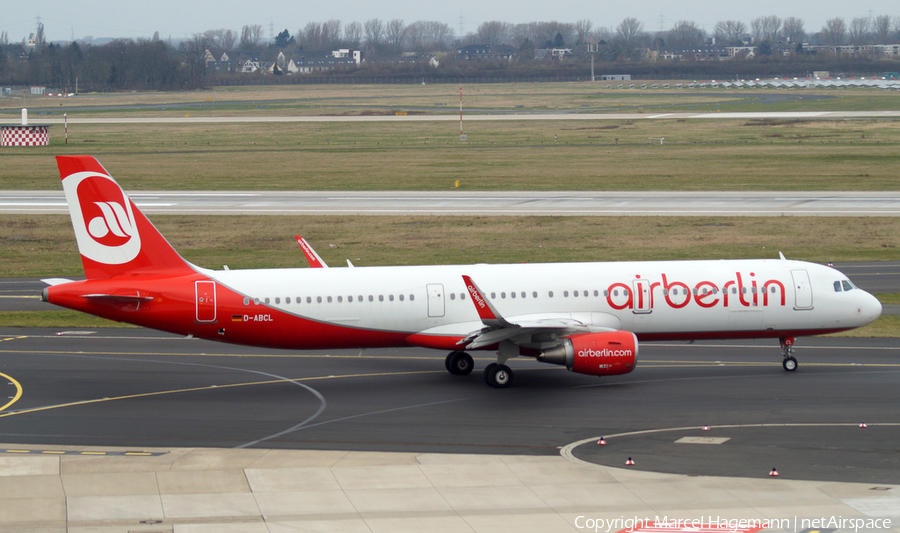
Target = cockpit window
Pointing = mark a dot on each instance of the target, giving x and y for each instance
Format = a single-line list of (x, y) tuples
[(843, 285)]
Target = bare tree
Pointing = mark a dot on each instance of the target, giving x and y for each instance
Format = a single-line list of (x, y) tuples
[(629, 30), (312, 36), (222, 38), (40, 39), (582, 30), (331, 34), (251, 35), (493, 32), (730, 32), (553, 34), (353, 34), (858, 31), (428, 36), (395, 31), (793, 31), (881, 29), (684, 34), (194, 51), (833, 31), (374, 32), (766, 28)]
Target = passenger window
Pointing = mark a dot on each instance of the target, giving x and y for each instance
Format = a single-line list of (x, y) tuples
[(256, 301), (512, 294), (550, 294), (329, 299), (503, 295), (267, 300), (380, 297), (350, 299), (246, 301), (287, 300), (452, 295), (493, 295), (534, 294), (318, 299), (277, 300), (523, 294), (340, 299), (401, 297), (309, 299), (371, 298), (412, 297)]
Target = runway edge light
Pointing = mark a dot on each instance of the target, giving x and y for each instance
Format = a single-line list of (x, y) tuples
[(774, 473), (601, 442), (629, 462)]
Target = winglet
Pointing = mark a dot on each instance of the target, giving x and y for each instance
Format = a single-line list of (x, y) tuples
[(311, 256), (486, 311)]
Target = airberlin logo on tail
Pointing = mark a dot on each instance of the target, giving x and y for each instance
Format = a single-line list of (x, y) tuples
[(113, 224), (102, 217)]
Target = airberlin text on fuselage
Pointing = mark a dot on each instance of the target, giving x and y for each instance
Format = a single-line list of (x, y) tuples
[(743, 291)]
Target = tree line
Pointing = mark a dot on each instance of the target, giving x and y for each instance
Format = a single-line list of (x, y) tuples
[(154, 64)]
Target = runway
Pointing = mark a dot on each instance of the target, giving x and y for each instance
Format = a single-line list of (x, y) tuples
[(484, 203), (135, 388), (481, 117)]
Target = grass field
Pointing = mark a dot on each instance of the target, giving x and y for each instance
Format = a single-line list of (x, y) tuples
[(532, 155), (44, 246)]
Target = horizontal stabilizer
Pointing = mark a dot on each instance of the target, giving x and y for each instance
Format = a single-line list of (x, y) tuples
[(56, 281), (117, 298)]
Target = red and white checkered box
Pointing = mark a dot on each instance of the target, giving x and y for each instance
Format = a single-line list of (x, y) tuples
[(37, 135)]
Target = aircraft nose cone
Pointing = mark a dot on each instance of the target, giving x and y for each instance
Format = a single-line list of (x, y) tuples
[(869, 310)]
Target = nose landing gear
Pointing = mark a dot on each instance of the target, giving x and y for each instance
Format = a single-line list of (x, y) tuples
[(787, 351)]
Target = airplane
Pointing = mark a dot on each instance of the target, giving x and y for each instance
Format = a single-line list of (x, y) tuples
[(588, 317)]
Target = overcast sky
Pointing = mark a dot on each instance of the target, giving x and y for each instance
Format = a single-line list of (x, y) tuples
[(179, 19)]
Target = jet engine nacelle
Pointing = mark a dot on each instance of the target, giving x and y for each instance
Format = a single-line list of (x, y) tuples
[(596, 354)]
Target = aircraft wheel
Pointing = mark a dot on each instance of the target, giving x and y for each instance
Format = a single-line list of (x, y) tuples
[(789, 364), (498, 376), (459, 363)]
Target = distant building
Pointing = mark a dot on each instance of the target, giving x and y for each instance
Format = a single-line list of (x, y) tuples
[(615, 77), (486, 51)]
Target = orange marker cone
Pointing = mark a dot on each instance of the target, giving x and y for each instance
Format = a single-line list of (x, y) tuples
[(629, 462), (773, 473), (601, 442)]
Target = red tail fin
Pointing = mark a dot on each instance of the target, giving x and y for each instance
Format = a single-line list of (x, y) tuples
[(113, 236)]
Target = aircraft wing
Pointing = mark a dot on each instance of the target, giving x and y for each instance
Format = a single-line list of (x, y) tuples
[(528, 330)]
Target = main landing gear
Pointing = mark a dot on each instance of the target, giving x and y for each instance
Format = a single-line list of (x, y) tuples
[(787, 351), (459, 363), (496, 375)]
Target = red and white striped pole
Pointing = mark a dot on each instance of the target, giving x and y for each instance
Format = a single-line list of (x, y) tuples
[(460, 113)]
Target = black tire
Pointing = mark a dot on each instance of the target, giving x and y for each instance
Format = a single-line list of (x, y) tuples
[(498, 376), (459, 363), (790, 364), (488, 370)]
